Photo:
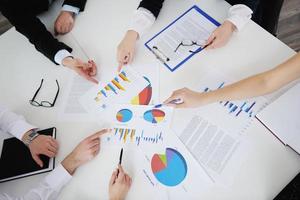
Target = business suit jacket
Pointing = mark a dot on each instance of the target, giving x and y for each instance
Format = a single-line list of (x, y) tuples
[(23, 15), (154, 6), (265, 12)]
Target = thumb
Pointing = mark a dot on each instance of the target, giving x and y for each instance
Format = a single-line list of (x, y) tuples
[(210, 39), (113, 178), (167, 102), (79, 63), (120, 66), (37, 159)]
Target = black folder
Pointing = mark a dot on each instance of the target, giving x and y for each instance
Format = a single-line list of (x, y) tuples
[(16, 161)]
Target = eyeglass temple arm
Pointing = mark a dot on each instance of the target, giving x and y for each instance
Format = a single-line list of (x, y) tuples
[(37, 91), (56, 93)]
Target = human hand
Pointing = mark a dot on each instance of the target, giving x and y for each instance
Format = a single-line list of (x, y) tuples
[(85, 151), (125, 50), (86, 70), (64, 22), (220, 36), (119, 184), (44, 145), (190, 98)]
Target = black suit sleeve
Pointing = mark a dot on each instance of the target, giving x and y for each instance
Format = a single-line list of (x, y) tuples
[(154, 6), (30, 26), (76, 3)]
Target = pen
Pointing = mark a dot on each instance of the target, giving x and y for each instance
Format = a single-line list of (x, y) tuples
[(121, 156), (174, 101), (204, 47), (120, 161)]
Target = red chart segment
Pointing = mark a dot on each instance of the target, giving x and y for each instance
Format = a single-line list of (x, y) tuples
[(157, 164), (170, 169), (144, 97), (154, 116), (124, 115)]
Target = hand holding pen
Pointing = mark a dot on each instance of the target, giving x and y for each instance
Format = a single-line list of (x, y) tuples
[(120, 182), (186, 98)]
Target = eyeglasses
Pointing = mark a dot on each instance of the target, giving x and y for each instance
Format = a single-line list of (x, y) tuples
[(189, 43), (46, 104)]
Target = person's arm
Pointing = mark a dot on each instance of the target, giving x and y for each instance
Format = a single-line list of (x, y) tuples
[(13, 123), (66, 19), (48, 189), (18, 127), (253, 86), (142, 19), (238, 16), (28, 24), (64, 23), (31, 27), (51, 186)]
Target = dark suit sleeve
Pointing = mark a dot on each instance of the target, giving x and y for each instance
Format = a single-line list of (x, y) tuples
[(30, 26), (76, 3), (154, 6)]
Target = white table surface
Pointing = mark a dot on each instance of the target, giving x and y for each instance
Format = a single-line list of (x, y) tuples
[(268, 167)]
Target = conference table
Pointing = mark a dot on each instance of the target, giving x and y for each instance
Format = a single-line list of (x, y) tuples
[(268, 167)]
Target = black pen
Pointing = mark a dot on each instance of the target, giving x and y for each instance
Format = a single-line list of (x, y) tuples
[(121, 156), (120, 161)]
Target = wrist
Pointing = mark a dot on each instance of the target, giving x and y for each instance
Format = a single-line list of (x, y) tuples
[(26, 135), (66, 62), (29, 136), (205, 98), (70, 13), (132, 35), (230, 25), (70, 164)]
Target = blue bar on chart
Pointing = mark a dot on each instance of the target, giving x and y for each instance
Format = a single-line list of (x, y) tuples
[(235, 108), (130, 135)]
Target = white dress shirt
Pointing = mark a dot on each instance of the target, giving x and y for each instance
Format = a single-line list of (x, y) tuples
[(50, 187), (63, 53), (13, 124), (143, 19)]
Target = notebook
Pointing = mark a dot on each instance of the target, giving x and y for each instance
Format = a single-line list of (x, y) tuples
[(281, 117), (16, 161)]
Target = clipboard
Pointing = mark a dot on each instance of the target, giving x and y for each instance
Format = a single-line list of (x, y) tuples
[(164, 57)]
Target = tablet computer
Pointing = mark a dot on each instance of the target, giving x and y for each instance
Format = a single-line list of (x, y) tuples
[(16, 160)]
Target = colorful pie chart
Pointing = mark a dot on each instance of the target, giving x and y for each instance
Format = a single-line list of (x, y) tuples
[(124, 115), (144, 97), (154, 116), (170, 169)]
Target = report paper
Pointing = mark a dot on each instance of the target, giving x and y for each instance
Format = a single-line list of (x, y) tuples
[(220, 153), (282, 117), (194, 26), (71, 109), (125, 87)]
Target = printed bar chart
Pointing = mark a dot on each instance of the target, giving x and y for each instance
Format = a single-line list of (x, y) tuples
[(138, 137), (236, 108)]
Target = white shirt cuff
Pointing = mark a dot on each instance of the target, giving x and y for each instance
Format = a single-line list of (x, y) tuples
[(60, 55), (239, 15), (70, 9), (141, 21), (19, 128), (58, 178)]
